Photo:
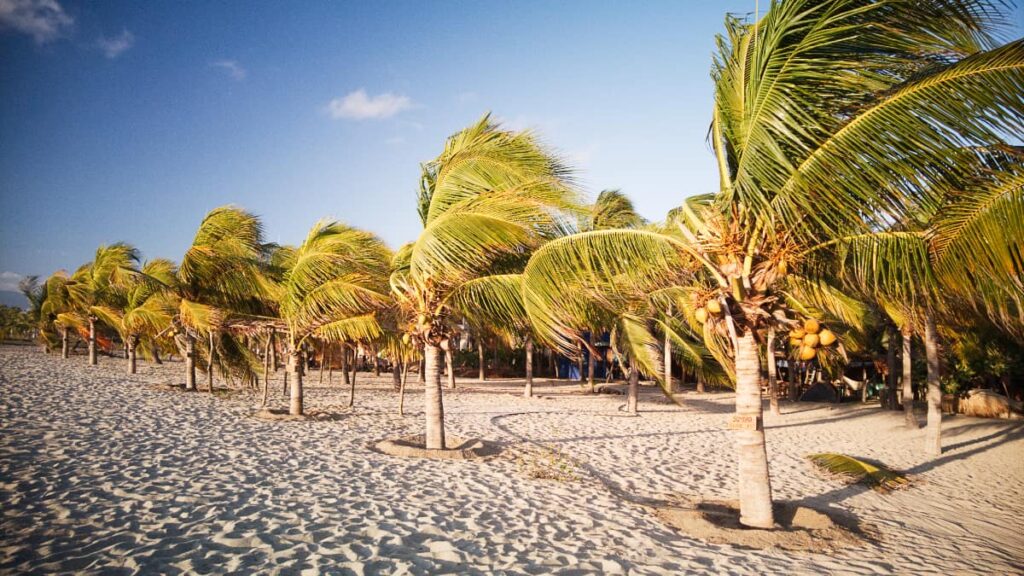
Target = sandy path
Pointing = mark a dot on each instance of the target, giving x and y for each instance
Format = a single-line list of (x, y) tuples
[(98, 473)]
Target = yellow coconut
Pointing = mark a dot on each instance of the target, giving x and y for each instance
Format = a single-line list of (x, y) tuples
[(807, 353), (795, 343), (405, 338), (811, 326), (797, 333), (702, 315), (827, 337), (811, 340), (714, 307)]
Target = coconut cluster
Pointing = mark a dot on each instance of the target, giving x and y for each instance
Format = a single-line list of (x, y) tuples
[(711, 308), (807, 341)]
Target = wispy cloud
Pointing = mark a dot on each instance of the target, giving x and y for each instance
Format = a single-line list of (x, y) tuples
[(232, 68), (43, 20), (359, 106), (9, 281), (114, 47)]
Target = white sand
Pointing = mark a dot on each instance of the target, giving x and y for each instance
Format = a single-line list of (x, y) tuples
[(99, 473)]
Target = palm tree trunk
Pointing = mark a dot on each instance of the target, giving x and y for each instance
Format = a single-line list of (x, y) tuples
[(190, 362), (323, 360), (295, 367), (266, 371), (773, 381), (864, 385), (450, 367), (480, 356), (528, 390), (889, 401), (396, 375), (433, 405), (700, 383), (209, 365), (755, 489), (401, 389), (591, 361), (669, 385), (64, 343), (352, 383), (344, 362), (131, 343), (156, 354), (634, 388), (933, 433), (908, 389), (92, 342)]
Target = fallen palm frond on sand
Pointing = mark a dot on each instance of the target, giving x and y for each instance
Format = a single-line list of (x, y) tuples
[(877, 476)]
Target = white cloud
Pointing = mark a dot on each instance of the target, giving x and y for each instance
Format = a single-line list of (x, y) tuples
[(43, 20), (113, 47), (357, 105), (232, 68), (9, 281)]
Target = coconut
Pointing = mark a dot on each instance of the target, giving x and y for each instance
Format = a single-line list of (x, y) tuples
[(795, 343), (827, 337), (811, 326), (797, 333), (714, 307), (807, 353), (701, 314), (811, 340)]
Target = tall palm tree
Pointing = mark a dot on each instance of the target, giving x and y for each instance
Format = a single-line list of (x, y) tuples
[(96, 284), (331, 287), (485, 202), (220, 273), (142, 306), (821, 136)]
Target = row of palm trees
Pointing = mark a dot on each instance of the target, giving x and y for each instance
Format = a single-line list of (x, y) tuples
[(865, 172)]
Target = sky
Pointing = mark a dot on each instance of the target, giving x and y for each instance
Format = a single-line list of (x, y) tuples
[(128, 121)]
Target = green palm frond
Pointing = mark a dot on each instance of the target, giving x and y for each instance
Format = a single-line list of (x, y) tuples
[(877, 476)]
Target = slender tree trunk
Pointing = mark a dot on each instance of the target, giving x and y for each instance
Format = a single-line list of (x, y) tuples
[(908, 389), (591, 361), (791, 374), (889, 401), (64, 344), (669, 384), (266, 370), (355, 364), (755, 489), (132, 344), (553, 363), (156, 354), (209, 365), (634, 388), (864, 385), (933, 433), (700, 383), (449, 365), (401, 389), (396, 375), (352, 386), (323, 360), (190, 362), (295, 367), (528, 390), (92, 342), (579, 365), (773, 381), (274, 364), (480, 357), (433, 406)]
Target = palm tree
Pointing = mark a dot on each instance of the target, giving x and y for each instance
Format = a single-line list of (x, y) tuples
[(331, 287), (489, 199), (96, 284), (142, 306), (821, 136), (220, 274)]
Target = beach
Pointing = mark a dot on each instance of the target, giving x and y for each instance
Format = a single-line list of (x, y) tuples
[(101, 472)]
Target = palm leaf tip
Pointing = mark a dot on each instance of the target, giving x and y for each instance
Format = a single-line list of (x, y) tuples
[(878, 476)]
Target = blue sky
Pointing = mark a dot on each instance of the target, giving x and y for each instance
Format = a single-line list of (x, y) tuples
[(130, 120)]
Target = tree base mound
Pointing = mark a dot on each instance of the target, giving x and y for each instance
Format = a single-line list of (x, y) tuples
[(455, 448), (798, 527)]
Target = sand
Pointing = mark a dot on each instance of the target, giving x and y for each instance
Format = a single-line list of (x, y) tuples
[(102, 473)]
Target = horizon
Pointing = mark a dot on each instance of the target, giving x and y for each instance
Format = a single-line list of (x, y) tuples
[(139, 119)]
